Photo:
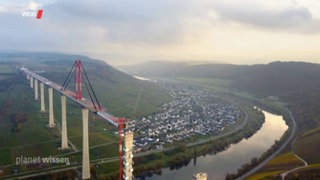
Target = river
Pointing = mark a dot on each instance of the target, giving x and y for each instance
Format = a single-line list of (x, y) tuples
[(228, 161), (144, 78)]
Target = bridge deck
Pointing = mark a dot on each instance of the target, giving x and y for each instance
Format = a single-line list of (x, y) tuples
[(83, 102)]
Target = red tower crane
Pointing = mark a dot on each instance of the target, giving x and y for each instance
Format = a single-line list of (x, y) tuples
[(78, 69), (78, 75)]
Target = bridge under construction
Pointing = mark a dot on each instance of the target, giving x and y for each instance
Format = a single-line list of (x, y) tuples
[(78, 71)]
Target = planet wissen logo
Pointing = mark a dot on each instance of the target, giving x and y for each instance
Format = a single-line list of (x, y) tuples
[(32, 13)]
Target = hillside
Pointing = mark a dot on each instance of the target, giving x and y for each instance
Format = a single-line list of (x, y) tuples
[(293, 82), (279, 78), (117, 91)]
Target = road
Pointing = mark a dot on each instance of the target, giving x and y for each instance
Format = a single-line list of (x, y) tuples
[(305, 164), (255, 169)]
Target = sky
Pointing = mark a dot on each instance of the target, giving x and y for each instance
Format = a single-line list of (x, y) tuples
[(131, 32)]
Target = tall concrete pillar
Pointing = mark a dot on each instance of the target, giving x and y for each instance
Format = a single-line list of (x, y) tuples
[(64, 136), (31, 81), (43, 108), (28, 76), (51, 117), (128, 155), (36, 89), (85, 148)]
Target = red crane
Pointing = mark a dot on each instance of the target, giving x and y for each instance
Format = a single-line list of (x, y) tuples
[(78, 69)]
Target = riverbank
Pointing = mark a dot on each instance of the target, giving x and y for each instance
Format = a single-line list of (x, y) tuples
[(252, 167)]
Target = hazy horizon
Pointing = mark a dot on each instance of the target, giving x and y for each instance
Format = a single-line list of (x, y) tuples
[(126, 32)]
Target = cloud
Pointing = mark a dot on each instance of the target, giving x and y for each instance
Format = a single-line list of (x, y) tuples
[(287, 17), (166, 22), (146, 22), (32, 6), (13, 7), (153, 28)]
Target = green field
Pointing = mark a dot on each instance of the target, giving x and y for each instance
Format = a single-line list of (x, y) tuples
[(309, 172), (215, 84), (310, 140), (6, 69), (264, 175), (211, 83), (284, 159), (34, 138), (279, 164)]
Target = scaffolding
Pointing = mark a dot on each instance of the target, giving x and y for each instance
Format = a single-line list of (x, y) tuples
[(127, 156)]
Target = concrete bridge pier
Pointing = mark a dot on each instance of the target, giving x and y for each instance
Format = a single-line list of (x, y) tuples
[(85, 148), (64, 136), (28, 76), (36, 89), (31, 81), (42, 97), (51, 117)]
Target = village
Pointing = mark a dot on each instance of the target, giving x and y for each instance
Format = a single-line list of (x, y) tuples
[(192, 112)]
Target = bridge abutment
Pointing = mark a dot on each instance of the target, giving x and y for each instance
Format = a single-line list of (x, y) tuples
[(85, 148)]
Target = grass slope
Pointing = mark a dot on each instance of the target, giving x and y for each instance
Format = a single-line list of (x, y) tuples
[(276, 166), (310, 140), (32, 131)]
